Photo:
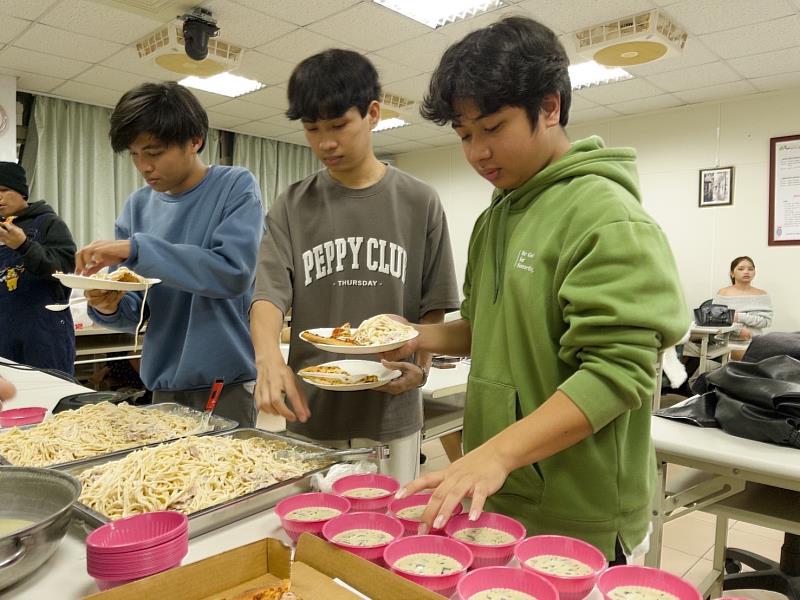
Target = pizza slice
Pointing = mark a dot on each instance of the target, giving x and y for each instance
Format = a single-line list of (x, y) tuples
[(274, 592), (8, 220)]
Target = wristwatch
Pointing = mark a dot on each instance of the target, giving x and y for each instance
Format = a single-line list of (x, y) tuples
[(425, 372)]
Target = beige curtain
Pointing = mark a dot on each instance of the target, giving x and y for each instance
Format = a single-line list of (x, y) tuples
[(275, 164), (72, 167)]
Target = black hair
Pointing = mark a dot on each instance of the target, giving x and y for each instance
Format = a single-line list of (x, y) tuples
[(735, 262), (328, 84), (167, 111), (513, 62)]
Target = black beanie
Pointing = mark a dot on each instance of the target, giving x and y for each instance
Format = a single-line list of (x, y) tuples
[(13, 177)]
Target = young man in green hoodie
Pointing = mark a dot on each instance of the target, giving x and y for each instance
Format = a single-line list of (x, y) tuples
[(570, 292)]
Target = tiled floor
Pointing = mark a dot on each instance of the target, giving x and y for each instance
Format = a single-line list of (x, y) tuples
[(688, 541)]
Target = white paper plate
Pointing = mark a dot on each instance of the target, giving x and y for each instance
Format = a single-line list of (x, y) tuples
[(374, 349), (81, 282), (357, 368)]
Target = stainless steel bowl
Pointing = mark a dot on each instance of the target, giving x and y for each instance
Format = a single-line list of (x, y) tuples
[(43, 497)]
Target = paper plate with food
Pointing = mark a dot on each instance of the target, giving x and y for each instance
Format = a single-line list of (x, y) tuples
[(348, 375), (377, 334), (121, 280)]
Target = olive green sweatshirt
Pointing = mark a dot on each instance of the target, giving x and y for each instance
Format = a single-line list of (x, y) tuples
[(571, 285)]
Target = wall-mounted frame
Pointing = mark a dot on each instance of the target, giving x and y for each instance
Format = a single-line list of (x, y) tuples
[(716, 187), (784, 190)]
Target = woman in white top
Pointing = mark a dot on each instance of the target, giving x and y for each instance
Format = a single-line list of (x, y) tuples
[(753, 306)]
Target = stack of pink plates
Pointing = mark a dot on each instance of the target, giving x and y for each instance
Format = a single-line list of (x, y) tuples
[(137, 546)]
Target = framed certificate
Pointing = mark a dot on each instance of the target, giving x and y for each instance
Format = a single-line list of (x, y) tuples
[(784, 190)]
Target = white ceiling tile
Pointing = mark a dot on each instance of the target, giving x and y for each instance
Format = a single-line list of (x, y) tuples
[(592, 114), (29, 82), (406, 147), (694, 53), (630, 89), (414, 133), (41, 64), (246, 110), (298, 44), (369, 26), (422, 52), (266, 69), (450, 139), (283, 121), (716, 92), (12, 27), (390, 71), (24, 9), (128, 60), (694, 77), (296, 137), (113, 79), (561, 18), (273, 96), (646, 104), (224, 121), (413, 88), (100, 21), (207, 99), (244, 26), (709, 16), (769, 63), (777, 82), (756, 38), (578, 102), (66, 43), (458, 30), (88, 94), (299, 12), (385, 138), (263, 129)]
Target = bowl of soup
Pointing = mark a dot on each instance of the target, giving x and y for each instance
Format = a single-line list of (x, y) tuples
[(367, 491), (505, 583), (571, 565), (631, 582), (365, 534), (409, 511), (491, 537), (432, 561), (308, 513)]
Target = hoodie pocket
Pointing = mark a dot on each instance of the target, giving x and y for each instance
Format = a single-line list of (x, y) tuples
[(490, 408)]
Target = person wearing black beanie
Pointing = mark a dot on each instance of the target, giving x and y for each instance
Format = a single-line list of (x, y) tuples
[(34, 244)]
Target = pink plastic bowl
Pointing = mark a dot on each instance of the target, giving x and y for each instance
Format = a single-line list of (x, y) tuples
[(430, 544), (488, 556), (647, 577), (350, 482), (294, 527), (106, 583), (415, 500), (510, 578), (137, 563), (569, 588), (138, 532), (15, 417), (363, 520)]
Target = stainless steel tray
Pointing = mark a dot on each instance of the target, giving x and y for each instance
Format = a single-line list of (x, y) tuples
[(218, 425), (211, 518)]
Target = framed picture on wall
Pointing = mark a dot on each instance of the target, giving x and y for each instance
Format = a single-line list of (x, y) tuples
[(716, 186), (784, 190)]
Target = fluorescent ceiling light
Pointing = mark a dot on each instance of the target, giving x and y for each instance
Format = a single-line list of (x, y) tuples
[(225, 84), (590, 73), (392, 123), (438, 13)]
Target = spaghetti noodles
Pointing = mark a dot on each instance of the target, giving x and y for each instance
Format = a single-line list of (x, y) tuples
[(189, 475), (91, 430)]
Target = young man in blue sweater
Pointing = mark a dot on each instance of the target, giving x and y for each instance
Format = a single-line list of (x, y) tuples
[(196, 228)]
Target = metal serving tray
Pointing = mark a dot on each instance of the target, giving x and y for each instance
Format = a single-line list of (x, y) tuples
[(218, 425), (216, 516)]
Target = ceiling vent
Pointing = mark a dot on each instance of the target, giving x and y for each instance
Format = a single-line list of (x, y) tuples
[(394, 101), (632, 40), (165, 48)]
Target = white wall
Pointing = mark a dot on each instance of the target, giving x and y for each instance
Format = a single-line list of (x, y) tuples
[(8, 100), (673, 145)]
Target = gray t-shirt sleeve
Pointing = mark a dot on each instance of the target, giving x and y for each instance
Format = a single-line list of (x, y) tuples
[(439, 284), (275, 269)]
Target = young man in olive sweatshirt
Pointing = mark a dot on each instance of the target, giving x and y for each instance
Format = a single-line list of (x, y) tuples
[(570, 292)]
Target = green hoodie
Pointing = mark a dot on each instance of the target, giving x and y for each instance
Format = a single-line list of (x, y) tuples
[(570, 285)]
